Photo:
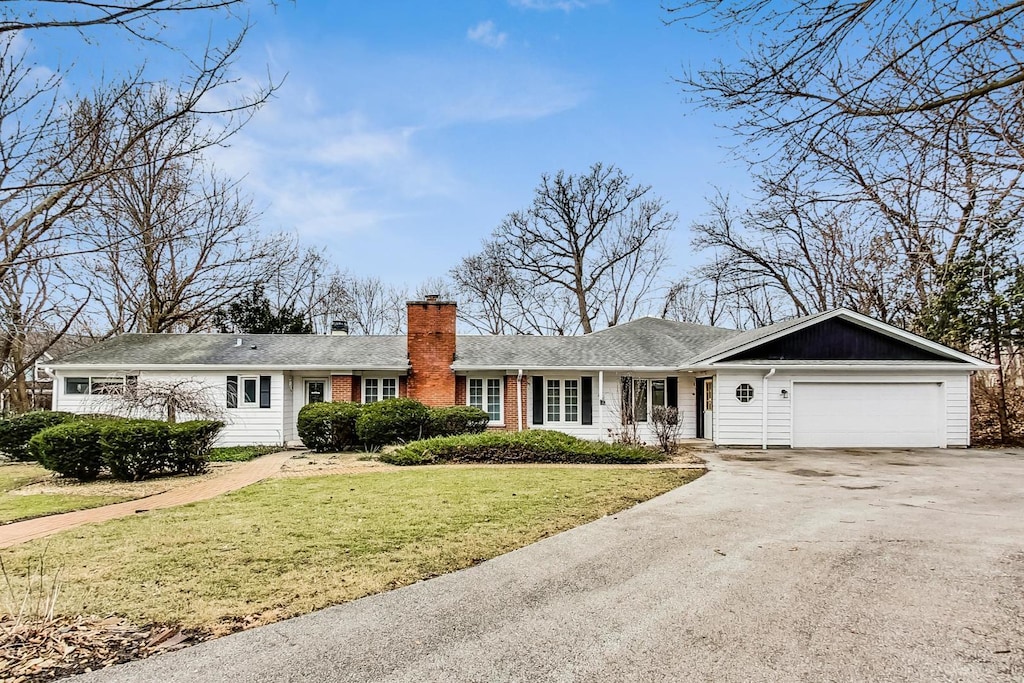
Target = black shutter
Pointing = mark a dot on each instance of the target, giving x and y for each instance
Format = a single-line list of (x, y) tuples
[(672, 392), (538, 400), (232, 391), (587, 400), (264, 391)]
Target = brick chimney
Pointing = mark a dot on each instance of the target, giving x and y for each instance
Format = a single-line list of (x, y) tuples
[(431, 345)]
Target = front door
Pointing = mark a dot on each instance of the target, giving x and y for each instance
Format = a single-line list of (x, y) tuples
[(705, 407), (315, 390)]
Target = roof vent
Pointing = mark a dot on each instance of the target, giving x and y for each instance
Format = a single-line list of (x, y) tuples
[(339, 327), (238, 342), (253, 347)]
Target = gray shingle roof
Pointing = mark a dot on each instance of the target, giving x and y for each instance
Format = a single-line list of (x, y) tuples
[(647, 342), (221, 349)]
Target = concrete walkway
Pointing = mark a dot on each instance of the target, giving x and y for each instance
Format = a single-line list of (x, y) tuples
[(778, 566), (249, 473)]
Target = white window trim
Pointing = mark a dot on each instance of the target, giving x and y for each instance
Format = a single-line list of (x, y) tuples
[(380, 387), (561, 400), (650, 394), (500, 422), (242, 403)]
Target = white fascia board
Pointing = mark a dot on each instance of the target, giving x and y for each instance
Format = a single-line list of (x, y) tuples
[(866, 321), (888, 367), (78, 367), (566, 368)]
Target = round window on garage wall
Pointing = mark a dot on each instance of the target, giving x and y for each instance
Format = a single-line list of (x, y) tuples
[(744, 393)]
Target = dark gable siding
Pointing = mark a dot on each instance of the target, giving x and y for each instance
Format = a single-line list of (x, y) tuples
[(836, 339)]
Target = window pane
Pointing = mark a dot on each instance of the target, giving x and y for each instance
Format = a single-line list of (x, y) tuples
[(572, 400), (657, 392), (389, 388), (105, 385), (371, 391), (76, 385), (554, 400), (476, 393), (640, 400), (249, 390), (494, 399)]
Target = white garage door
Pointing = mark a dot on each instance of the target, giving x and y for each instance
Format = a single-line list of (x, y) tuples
[(867, 415)]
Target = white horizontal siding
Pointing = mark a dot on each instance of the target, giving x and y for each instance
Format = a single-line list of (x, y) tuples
[(608, 418), (739, 424), (243, 426)]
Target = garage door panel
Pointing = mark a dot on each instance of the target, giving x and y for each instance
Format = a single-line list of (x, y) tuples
[(839, 414)]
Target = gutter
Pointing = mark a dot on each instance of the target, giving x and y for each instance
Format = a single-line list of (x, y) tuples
[(764, 409), (519, 398), (169, 367)]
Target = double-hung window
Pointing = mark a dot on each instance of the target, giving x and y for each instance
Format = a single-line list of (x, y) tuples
[(485, 393), (379, 388)]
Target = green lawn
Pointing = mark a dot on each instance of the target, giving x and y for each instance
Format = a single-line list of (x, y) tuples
[(14, 507), (289, 546)]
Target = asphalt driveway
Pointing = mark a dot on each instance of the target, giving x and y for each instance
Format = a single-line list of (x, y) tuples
[(776, 566)]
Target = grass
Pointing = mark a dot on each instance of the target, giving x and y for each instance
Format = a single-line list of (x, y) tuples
[(289, 546), (15, 507), (241, 453)]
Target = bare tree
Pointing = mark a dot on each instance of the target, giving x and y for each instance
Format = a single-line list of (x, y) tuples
[(164, 399), (55, 150), (810, 62), (372, 306), (596, 240), (166, 239)]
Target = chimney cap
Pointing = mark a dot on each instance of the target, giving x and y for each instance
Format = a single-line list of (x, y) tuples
[(432, 299), (339, 327)]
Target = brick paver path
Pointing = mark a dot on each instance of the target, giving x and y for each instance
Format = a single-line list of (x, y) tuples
[(249, 473)]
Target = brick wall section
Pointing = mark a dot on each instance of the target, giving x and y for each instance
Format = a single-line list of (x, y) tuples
[(341, 388), (460, 390), (511, 414), (346, 388), (431, 346)]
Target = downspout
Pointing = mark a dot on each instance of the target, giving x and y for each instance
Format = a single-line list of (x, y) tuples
[(519, 398), (600, 403), (764, 409)]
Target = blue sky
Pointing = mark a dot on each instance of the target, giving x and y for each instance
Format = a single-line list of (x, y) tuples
[(405, 131)]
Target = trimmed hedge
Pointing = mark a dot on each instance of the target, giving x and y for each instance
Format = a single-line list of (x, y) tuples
[(456, 420), (327, 427), (131, 449), (393, 420), (73, 449), (533, 446), (16, 432)]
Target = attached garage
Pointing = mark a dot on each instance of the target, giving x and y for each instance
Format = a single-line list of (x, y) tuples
[(868, 414)]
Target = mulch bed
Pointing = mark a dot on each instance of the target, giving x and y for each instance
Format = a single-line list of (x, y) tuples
[(47, 650)]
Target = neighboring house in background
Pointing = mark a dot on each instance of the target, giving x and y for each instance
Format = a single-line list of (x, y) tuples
[(36, 387), (835, 379)]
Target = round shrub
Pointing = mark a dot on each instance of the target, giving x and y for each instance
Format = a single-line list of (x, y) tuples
[(456, 420), (394, 420), (73, 449), (190, 445), (328, 427), (135, 449), (16, 432)]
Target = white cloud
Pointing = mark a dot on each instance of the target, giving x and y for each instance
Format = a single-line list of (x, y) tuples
[(487, 34), (563, 5)]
